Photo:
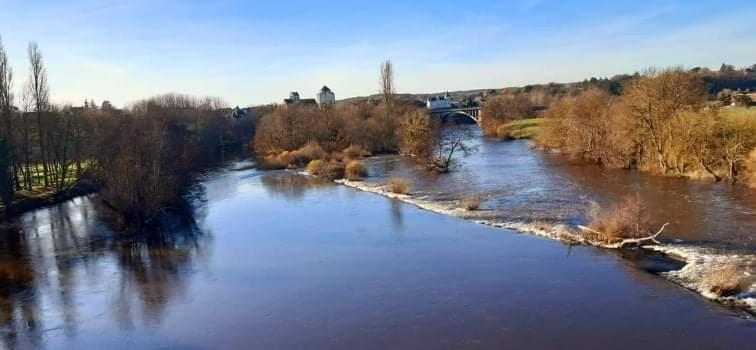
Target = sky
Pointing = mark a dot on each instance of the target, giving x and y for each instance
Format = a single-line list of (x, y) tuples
[(256, 52)]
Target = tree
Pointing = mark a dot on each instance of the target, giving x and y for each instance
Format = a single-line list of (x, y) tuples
[(502, 109), (387, 91), (448, 142), (6, 112), (655, 100), (416, 134), (6, 178), (40, 94), (387, 84)]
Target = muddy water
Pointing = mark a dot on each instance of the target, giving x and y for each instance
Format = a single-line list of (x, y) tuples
[(712, 225), (278, 261), (520, 184)]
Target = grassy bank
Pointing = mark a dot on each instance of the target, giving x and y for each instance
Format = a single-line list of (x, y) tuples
[(742, 112), (523, 128), (40, 197)]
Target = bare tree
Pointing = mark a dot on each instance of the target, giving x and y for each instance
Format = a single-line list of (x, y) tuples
[(24, 144), (6, 89), (450, 141), (387, 90), (655, 100), (503, 109), (40, 94), (6, 179), (387, 84), (6, 113)]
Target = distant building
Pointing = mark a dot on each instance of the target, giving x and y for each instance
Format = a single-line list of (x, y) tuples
[(295, 100), (325, 97), (439, 102)]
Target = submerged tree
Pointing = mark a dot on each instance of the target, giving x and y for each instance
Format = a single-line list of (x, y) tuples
[(449, 142)]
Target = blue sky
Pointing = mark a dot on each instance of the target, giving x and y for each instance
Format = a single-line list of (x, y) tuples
[(253, 52)]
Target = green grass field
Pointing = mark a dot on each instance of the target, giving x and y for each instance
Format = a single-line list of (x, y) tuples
[(525, 128), (39, 193)]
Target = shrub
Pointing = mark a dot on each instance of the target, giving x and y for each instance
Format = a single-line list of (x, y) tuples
[(356, 151), (309, 152), (627, 219), (315, 167), (275, 161), (398, 185), (339, 156), (727, 280), (503, 131), (332, 170), (355, 170), (472, 202)]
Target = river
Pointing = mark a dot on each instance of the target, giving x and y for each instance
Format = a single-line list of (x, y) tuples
[(277, 260)]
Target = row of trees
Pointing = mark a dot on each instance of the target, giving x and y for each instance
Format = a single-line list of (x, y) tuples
[(661, 123), (41, 145), (728, 85), (141, 157)]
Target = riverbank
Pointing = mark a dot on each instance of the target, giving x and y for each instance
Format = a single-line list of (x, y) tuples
[(27, 201), (522, 129)]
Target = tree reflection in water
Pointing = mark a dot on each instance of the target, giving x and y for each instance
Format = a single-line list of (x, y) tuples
[(49, 261), (18, 297), (291, 186)]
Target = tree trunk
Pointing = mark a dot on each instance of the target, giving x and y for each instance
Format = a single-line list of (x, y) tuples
[(42, 149)]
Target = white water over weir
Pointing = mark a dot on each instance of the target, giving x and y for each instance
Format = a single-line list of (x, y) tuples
[(699, 261)]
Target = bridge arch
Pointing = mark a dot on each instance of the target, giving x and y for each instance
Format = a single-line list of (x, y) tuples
[(464, 115), (459, 117)]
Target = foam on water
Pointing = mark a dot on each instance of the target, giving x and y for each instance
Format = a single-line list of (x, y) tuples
[(700, 261), (704, 261)]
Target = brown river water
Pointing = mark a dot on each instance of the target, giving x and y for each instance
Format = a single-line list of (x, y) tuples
[(276, 260)]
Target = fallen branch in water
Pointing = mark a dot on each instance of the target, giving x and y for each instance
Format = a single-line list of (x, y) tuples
[(630, 241)]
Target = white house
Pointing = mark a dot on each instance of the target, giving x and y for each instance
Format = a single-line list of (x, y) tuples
[(325, 97), (439, 102)]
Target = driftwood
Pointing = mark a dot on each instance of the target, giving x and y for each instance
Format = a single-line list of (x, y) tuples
[(625, 242)]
